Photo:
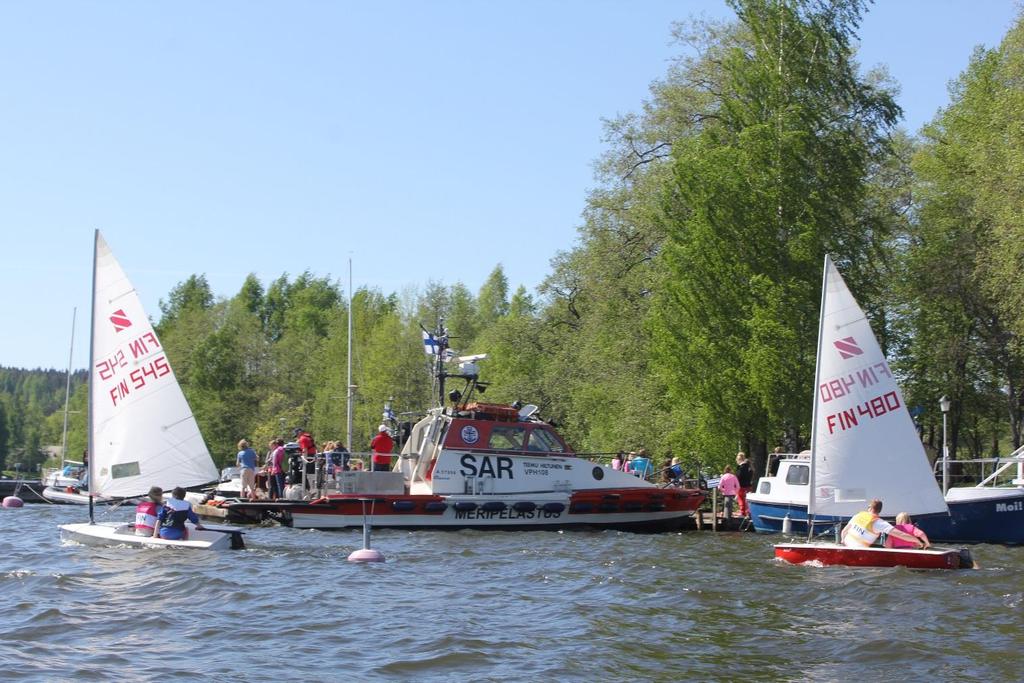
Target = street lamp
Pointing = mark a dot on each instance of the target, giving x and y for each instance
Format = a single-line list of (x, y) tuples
[(944, 404)]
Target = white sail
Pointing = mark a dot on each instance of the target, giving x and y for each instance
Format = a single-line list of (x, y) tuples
[(142, 430), (864, 444)]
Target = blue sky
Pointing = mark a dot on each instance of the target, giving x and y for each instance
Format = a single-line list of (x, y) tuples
[(428, 140)]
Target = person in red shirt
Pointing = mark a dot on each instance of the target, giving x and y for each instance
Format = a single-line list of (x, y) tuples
[(306, 445), (381, 447)]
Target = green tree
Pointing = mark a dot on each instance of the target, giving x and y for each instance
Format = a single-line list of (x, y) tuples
[(492, 300), (775, 177)]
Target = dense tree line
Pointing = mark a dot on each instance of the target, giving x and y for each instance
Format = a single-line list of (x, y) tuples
[(685, 317), (31, 413)]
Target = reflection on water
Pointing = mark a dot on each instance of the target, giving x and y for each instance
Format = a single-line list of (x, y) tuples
[(491, 606)]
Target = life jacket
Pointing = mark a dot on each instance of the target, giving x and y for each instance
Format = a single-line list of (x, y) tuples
[(893, 542), (860, 533), (179, 509), (145, 517)]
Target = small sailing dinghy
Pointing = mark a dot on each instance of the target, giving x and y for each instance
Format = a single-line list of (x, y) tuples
[(861, 446), (141, 430), (828, 554)]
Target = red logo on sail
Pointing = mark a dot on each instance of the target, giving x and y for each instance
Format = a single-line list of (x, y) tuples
[(847, 347), (120, 320)]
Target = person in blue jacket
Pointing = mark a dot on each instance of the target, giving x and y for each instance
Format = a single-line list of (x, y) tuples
[(171, 520)]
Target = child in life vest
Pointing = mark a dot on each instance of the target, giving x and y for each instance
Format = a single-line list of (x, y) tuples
[(147, 511), (904, 524)]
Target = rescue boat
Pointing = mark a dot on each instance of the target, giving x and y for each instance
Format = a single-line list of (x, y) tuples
[(474, 465)]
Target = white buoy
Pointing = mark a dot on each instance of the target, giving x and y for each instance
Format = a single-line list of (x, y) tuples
[(13, 502), (787, 524), (366, 553)]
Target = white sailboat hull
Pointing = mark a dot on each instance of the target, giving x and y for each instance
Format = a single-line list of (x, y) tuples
[(117, 535), (65, 497)]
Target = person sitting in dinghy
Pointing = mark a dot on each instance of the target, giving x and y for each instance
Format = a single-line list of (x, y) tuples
[(173, 516), (865, 527), (903, 523), (146, 512)]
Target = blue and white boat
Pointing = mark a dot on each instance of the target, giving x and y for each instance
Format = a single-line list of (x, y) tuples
[(867, 447)]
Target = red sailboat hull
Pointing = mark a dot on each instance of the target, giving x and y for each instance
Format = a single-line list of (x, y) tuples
[(830, 554)]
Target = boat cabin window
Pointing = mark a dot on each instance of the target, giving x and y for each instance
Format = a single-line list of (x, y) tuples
[(766, 487), (798, 474), (507, 438), (543, 441)]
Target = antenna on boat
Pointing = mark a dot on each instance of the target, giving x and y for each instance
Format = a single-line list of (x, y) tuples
[(436, 345)]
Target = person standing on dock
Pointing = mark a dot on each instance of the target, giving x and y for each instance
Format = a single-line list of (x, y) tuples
[(275, 469), (729, 485), (381, 447), (246, 460), (745, 473)]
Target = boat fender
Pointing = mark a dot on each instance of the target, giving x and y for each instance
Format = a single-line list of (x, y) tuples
[(524, 506), (404, 505), (656, 507), (787, 524), (554, 507), (436, 506), (11, 502), (607, 507), (493, 506), (581, 508), (632, 506), (465, 506)]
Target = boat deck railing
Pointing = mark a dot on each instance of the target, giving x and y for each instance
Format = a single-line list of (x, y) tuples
[(983, 471)]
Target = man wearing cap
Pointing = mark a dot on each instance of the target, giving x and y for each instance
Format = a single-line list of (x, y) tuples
[(381, 447), (146, 512)]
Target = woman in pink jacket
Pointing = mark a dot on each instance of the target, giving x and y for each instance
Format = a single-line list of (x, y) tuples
[(729, 485)]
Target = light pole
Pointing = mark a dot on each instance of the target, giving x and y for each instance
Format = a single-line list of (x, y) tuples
[(944, 404)]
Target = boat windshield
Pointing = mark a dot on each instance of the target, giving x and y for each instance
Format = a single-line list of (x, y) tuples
[(507, 438), (543, 441)]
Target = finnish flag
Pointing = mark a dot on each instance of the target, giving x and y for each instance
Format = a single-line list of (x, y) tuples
[(430, 345)]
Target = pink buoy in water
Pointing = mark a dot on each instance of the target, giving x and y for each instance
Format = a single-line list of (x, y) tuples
[(366, 555), (13, 502)]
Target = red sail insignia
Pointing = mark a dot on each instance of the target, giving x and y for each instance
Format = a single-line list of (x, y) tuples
[(847, 347), (120, 320)]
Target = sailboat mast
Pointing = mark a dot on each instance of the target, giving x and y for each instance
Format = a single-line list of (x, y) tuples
[(348, 438), (814, 399), (91, 441), (67, 389)]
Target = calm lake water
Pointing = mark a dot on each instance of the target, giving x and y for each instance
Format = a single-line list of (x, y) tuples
[(542, 606)]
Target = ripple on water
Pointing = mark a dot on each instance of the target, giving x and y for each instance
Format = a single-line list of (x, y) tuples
[(476, 606)]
